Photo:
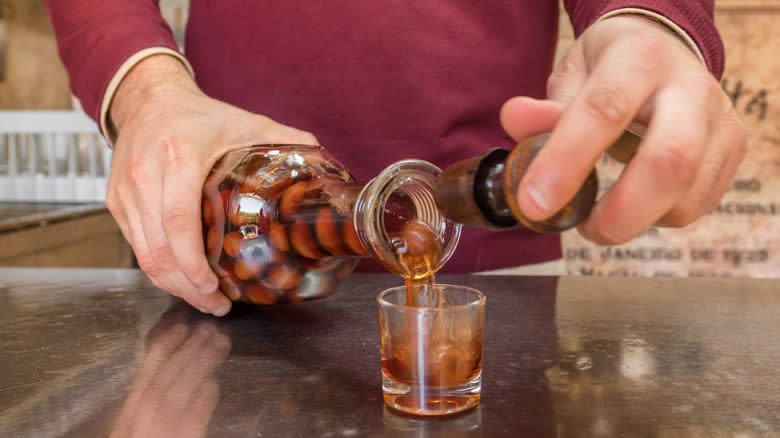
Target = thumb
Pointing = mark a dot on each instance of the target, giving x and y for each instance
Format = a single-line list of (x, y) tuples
[(263, 130), (290, 135)]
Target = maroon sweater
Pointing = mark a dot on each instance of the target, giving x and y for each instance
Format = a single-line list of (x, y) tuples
[(375, 81)]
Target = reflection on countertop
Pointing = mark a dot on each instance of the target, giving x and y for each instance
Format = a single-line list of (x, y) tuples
[(102, 352)]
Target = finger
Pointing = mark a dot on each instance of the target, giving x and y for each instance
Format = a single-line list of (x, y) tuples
[(116, 206), (181, 230), (158, 353), (191, 375), (181, 227), (257, 129), (117, 211), (162, 348), (216, 303), (146, 181), (145, 418), (735, 138), (568, 77), (523, 117), (171, 282), (287, 134), (143, 257), (157, 395), (157, 258), (614, 93), (660, 174), (724, 156), (199, 412)]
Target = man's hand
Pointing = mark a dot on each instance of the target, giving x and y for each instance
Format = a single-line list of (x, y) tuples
[(621, 70), (175, 391), (170, 135)]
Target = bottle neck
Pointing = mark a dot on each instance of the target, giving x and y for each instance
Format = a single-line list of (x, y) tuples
[(573, 213), (482, 191), (402, 192)]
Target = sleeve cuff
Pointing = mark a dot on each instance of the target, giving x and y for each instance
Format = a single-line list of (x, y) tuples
[(105, 104), (671, 25)]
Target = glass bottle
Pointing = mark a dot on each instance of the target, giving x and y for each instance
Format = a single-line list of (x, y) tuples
[(481, 191), (287, 223)]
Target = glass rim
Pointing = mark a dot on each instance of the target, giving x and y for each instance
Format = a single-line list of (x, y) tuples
[(479, 302)]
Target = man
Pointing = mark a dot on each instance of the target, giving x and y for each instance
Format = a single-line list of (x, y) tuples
[(384, 80)]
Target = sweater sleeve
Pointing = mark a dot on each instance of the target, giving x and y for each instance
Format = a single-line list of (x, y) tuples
[(695, 17), (96, 37)]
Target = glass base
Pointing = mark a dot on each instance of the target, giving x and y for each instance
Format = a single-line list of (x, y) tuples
[(431, 400)]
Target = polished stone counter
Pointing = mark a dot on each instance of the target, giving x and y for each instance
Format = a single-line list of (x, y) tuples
[(87, 353)]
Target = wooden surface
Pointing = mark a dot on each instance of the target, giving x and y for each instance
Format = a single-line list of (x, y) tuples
[(61, 235)]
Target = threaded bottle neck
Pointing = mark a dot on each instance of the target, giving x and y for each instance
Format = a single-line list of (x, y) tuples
[(401, 192)]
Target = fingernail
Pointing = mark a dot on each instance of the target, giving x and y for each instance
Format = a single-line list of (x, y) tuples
[(222, 310), (538, 197), (208, 287)]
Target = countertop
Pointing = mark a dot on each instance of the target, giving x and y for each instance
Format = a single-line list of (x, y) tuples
[(88, 352)]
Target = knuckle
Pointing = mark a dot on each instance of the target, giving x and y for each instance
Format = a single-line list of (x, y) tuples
[(112, 203), (147, 264), (176, 219), (607, 238), (152, 392), (650, 47), (162, 256), (702, 87), (604, 235), (730, 121), (175, 155), (201, 276), (607, 104), (137, 172), (680, 217), (555, 83), (557, 80), (713, 92), (699, 200), (676, 164)]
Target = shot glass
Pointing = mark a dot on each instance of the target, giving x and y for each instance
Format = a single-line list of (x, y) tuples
[(431, 352)]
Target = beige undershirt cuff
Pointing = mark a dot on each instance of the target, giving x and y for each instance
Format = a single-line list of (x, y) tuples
[(120, 74), (671, 25)]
